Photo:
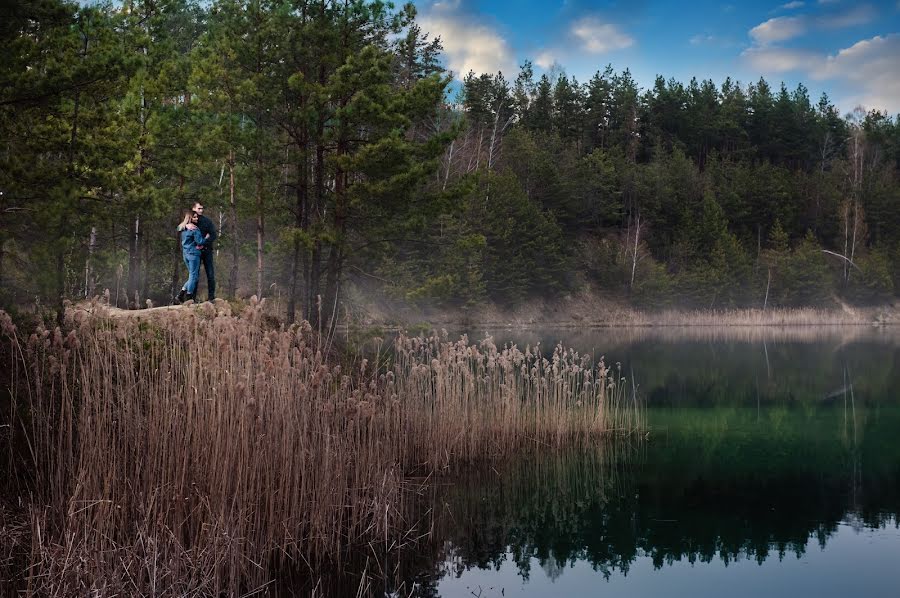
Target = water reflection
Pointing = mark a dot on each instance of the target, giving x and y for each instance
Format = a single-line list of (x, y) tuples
[(777, 451), (719, 485), (707, 366)]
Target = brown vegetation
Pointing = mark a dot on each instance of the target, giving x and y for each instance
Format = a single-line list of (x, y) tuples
[(592, 308), (201, 452)]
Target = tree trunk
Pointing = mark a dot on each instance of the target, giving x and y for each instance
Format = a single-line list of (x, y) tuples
[(60, 286), (855, 229), (336, 255), (478, 149), (449, 163), (858, 158), (63, 231), (88, 265), (176, 266), (145, 271), (134, 256), (260, 221), (313, 281), (134, 262), (235, 244), (295, 276), (490, 160), (634, 257), (846, 239), (298, 263)]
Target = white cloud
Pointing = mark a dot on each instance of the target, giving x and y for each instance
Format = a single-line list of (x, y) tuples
[(700, 39), (870, 69), (780, 60), (778, 29), (545, 59), (469, 45), (867, 73), (781, 29), (598, 37), (447, 5), (793, 5)]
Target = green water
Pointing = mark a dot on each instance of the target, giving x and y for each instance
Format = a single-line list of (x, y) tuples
[(772, 468)]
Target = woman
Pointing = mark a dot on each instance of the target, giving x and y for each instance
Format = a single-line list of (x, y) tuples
[(191, 243)]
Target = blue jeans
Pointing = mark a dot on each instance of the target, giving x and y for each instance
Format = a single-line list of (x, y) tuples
[(206, 258), (192, 261)]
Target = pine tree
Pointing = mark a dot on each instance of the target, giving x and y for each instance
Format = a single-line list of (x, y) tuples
[(760, 123), (567, 111), (540, 115), (58, 117), (624, 113), (597, 109)]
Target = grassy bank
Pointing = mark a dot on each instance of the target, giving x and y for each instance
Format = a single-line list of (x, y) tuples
[(201, 452), (591, 308)]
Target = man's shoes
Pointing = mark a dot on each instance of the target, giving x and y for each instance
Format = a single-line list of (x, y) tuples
[(180, 298), (189, 298)]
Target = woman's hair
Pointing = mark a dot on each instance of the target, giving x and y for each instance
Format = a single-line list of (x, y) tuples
[(188, 216)]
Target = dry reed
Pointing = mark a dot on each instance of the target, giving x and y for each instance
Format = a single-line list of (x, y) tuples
[(200, 453), (804, 316), (590, 308)]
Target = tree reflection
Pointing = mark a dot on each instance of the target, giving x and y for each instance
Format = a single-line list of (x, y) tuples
[(691, 494), (720, 478)]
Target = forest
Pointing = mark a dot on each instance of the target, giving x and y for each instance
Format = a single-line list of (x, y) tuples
[(334, 152)]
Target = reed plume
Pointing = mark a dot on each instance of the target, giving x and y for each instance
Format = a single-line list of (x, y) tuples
[(200, 452)]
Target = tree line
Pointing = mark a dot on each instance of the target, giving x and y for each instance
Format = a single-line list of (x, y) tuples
[(700, 195), (322, 137)]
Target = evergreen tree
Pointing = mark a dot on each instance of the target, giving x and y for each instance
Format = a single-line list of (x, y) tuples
[(760, 125), (61, 133), (597, 109), (319, 135), (663, 118), (540, 114), (567, 113), (524, 253), (624, 111), (732, 122), (523, 92)]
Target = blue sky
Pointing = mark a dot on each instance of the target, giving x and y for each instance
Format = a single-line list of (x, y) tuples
[(851, 50)]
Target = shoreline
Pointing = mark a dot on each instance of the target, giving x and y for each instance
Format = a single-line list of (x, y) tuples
[(571, 312), (574, 325), (590, 310)]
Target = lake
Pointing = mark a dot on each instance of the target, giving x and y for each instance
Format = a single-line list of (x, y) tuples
[(771, 467)]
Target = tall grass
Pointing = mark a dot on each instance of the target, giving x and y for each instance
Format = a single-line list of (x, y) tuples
[(199, 453), (590, 308)]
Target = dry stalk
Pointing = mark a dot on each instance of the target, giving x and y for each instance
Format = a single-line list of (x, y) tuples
[(199, 453)]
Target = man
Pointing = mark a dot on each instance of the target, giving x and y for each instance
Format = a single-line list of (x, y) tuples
[(208, 229)]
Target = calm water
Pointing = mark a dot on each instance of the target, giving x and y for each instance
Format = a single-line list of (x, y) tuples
[(772, 468)]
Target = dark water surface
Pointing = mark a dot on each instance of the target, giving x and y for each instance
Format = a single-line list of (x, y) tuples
[(772, 468)]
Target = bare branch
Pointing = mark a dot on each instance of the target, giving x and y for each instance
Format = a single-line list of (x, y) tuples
[(378, 278), (843, 257)]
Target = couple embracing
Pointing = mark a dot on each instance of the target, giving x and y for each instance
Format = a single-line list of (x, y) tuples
[(197, 235)]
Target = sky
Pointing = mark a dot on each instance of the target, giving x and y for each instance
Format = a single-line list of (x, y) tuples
[(850, 50)]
